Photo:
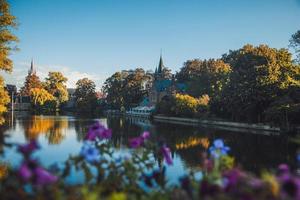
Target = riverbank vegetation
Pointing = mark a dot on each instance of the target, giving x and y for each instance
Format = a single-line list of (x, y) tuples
[(139, 173), (252, 84), (7, 45), (47, 96)]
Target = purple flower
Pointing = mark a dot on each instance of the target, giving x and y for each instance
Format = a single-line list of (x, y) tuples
[(97, 130), (291, 188), (139, 141), (25, 172), (231, 179), (167, 154), (90, 153), (30, 171), (43, 177), (145, 135), (27, 149), (136, 142), (106, 134), (218, 149), (283, 168)]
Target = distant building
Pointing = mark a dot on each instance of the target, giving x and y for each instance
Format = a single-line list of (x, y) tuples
[(11, 89), (72, 99), (163, 85), (19, 101)]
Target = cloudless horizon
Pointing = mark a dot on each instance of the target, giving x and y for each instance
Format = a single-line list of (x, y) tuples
[(94, 38)]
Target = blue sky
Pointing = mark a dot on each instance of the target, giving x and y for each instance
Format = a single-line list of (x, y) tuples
[(95, 38)]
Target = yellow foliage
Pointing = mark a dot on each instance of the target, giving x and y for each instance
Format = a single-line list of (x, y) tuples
[(40, 96), (118, 196), (4, 98), (3, 170), (191, 142), (272, 183), (186, 104)]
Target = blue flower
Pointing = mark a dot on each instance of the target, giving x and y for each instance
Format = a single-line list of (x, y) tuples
[(218, 149), (90, 153)]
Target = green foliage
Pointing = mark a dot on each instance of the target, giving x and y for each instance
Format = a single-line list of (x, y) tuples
[(295, 43), (7, 38), (85, 95), (127, 88), (204, 77), (259, 76), (55, 84)]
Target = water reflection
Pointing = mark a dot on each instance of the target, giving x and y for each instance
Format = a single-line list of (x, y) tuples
[(187, 143), (52, 128)]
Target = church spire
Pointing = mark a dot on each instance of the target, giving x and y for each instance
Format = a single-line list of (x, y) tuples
[(32, 70), (160, 65)]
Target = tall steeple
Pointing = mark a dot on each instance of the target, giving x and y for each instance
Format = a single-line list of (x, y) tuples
[(160, 65), (32, 70)]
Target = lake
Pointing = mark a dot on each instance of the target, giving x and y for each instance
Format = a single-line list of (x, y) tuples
[(61, 136)]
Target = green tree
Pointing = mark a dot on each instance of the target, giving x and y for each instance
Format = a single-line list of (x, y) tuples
[(204, 77), (85, 95), (7, 45), (259, 76), (31, 81), (295, 43), (127, 88), (55, 84), (113, 87)]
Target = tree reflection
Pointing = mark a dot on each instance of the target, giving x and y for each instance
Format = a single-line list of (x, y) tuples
[(254, 152), (53, 128), (8, 123), (57, 132)]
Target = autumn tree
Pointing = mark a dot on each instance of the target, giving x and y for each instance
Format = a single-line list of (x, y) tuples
[(85, 95), (4, 100), (7, 45), (55, 84), (186, 105), (259, 76), (204, 76), (31, 81), (40, 96)]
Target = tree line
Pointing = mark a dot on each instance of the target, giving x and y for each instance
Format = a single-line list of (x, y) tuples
[(52, 94), (250, 84)]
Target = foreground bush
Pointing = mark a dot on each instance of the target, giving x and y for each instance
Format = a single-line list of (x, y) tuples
[(135, 175)]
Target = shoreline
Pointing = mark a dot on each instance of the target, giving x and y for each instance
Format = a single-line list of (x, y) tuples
[(219, 124)]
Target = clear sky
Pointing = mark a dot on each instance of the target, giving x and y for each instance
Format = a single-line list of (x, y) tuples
[(95, 38)]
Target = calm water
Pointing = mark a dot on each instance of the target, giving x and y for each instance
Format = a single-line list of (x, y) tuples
[(61, 136)]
